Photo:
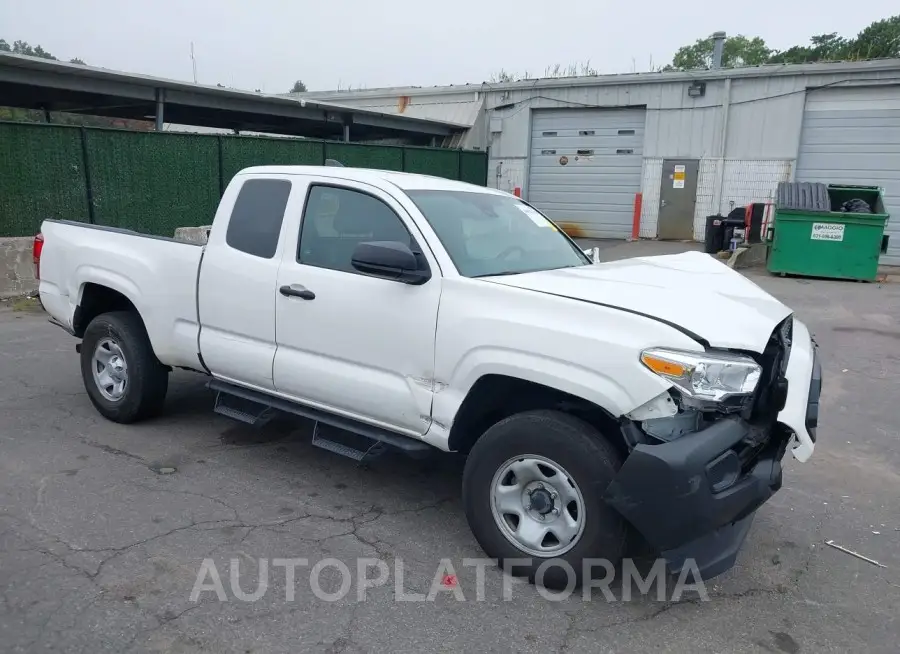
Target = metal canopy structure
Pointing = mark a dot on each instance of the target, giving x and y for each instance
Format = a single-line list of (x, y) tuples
[(44, 84)]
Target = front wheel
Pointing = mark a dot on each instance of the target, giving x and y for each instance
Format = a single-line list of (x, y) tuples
[(122, 376), (532, 490)]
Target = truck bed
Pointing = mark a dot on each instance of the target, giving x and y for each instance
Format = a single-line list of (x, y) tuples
[(157, 274)]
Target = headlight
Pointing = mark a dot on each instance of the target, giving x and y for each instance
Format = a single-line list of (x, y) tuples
[(712, 376)]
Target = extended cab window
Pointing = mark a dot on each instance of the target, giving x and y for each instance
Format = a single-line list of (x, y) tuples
[(336, 220), (257, 215)]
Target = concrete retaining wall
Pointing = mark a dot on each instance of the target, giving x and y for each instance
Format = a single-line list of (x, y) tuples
[(16, 267)]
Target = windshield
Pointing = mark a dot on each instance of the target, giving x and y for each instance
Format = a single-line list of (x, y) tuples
[(487, 234)]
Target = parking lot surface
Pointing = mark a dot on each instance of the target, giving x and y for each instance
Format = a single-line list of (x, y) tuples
[(104, 528)]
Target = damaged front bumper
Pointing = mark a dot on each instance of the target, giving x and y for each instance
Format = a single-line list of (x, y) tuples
[(693, 498)]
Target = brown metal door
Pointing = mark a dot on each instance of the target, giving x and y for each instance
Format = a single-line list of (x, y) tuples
[(677, 199)]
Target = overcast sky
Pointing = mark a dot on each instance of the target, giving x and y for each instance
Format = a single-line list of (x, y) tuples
[(267, 44)]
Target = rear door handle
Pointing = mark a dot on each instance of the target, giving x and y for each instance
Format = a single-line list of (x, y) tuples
[(295, 290)]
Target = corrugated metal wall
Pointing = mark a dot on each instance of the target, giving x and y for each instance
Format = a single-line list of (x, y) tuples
[(745, 164), (852, 136), (764, 117), (759, 126), (764, 113), (448, 105)]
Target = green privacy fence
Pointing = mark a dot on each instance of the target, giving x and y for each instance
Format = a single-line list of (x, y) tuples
[(41, 175), (154, 182), (150, 184), (241, 151)]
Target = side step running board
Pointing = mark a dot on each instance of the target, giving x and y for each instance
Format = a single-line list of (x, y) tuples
[(238, 400), (367, 449), (244, 410)]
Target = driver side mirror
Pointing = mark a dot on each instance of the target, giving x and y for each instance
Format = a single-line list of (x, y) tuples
[(389, 260)]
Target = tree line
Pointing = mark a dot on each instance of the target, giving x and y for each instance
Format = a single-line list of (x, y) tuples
[(879, 40), (23, 48)]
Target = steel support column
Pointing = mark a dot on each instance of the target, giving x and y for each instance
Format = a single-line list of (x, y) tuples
[(160, 109)]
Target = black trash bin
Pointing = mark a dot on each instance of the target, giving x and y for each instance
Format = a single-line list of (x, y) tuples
[(715, 234), (719, 230)]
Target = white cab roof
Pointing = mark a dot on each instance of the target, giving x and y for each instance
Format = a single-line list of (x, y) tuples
[(405, 181)]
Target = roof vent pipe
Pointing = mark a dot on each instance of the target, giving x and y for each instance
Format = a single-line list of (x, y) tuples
[(718, 47)]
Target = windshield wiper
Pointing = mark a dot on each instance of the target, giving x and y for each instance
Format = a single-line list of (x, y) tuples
[(524, 272), (503, 274)]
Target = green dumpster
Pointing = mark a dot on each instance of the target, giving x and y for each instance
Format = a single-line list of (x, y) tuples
[(812, 236)]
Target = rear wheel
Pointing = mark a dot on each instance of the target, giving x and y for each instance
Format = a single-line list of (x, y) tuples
[(123, 377), (532, 490)]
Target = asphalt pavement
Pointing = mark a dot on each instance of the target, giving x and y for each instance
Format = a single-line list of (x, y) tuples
[(104, 528)]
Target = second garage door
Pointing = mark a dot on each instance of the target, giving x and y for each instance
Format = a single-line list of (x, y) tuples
[(852, 136), (585, 168)]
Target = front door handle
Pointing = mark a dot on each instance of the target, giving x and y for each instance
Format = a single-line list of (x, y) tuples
[(295, 290)]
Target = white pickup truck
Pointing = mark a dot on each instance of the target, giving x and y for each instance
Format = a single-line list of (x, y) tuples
[(653, 395)]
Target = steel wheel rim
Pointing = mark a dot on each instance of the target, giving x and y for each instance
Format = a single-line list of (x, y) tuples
[(110, 369), (519, 493)]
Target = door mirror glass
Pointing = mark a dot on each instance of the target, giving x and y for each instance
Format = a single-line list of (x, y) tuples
[(390, 260)]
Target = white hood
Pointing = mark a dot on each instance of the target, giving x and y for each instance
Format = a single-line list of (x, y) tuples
[(692, 290)]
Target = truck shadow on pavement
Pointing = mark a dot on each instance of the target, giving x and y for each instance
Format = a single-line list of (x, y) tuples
[(190, 402)]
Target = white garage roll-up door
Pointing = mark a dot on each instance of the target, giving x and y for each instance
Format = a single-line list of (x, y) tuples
[(852, 136), (585, 168)]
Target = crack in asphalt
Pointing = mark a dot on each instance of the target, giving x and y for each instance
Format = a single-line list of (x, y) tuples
[(574, 629), (571, 630), (342, 643), (807, 563), (108, 449), (356, 521), (214, 500), (161, 621)]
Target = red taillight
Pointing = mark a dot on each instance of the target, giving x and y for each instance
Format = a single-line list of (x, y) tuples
[(36, 250)]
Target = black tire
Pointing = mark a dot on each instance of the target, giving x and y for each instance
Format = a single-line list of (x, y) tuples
[(148, 379), (589, 459)]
